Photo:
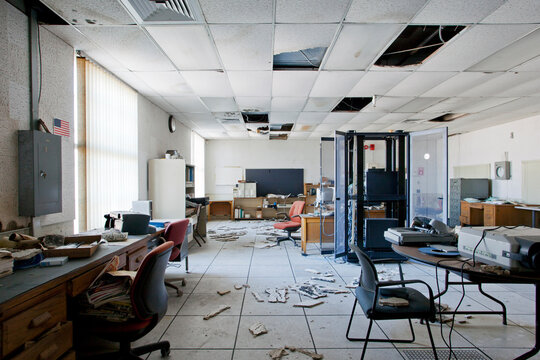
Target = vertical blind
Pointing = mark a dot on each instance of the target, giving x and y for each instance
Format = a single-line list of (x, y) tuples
[(111, 145), (197, 144)]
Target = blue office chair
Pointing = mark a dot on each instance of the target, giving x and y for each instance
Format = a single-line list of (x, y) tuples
[(370, 289)]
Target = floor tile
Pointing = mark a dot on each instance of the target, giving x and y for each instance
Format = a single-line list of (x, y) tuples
[(253, 307), (194, 355), (252, 354), (282, 270), (156, 333), (210, 285), (193, 332), (505, 354), (372, 352), (279, 333), (202, 304), (227, 271)]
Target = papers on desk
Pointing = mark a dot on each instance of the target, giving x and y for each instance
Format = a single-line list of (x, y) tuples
[(6, 263)]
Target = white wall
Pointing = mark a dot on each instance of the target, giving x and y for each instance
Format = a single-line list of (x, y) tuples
[(490, 145), (260, 154), (155, 139)]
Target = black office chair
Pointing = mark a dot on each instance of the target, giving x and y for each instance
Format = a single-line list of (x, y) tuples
[(370, 289)]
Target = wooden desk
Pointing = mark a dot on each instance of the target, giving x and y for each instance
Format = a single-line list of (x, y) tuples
[(478, 277), (311, 230), (221, 208), (34, 300), (486, 214)]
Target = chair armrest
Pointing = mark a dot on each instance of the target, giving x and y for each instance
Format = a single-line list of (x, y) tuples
[(404, 282), (283, 213), (294, 216)]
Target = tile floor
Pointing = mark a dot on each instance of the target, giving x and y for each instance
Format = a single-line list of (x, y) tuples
[(221, 265)]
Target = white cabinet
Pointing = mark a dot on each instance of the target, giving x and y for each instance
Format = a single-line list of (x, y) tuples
[(167, 188)]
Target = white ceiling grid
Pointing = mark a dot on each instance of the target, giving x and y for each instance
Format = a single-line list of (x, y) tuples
[(199, 70)]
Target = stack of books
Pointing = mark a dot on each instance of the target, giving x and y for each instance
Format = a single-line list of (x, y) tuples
[(6, 263)]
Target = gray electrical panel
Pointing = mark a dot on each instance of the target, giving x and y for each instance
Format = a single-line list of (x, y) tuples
[(40, 173), (465, 188)]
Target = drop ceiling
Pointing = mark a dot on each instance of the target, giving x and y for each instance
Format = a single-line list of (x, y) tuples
[(212, 68)]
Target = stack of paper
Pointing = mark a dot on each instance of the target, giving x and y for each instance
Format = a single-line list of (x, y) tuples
[(6, 263)]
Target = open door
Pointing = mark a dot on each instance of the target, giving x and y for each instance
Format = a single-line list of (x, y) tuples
[(340, 202), (428, 186)]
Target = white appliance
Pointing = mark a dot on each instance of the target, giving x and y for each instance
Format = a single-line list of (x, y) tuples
[(245, 190), (142, 206), (167, 188)]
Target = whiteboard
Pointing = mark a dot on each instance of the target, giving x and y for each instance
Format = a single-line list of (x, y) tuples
[(228, 175), (531, 174), (480, 171)]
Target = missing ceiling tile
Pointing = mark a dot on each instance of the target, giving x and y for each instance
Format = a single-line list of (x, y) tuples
[(281, 127), (446, 118), (278, 136), (352, 104), (255, 118), (416, 43), (309, 59)]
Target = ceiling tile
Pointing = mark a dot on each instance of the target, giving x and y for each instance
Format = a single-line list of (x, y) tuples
[(514, 12), (244, 47), (310, 11), (166, 83), (455, 11), (419, 82), (130, 46), (299, 135), (326, 127), (292, 83), (358, 45), (216, 104), (335, 83), (458, 84), (253, 103), (283, 117), (208, 83), (97, 12), (321, 104), (386, 104), (392, 118), (377, 83), (188, 46), (508, 84), (311, 118), (288, 103), (237, 11), (511, 56), (383, 11), (78, 41), (187, 104), (366, 117), (525, 105), (339, 117), (473, 45), (448, 105), (531, 65), (481, 104), (373, 128), (304, 128), (251, 83), (135, 82), (162, 104), (199, 118), (294, 37), (238, 134), (418, 104)]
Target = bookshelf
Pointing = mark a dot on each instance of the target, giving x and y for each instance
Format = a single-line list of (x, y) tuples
[(190, 179)]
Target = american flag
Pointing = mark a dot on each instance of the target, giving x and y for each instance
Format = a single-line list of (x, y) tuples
[(61, 127)]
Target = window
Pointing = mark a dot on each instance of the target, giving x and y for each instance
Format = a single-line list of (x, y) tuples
[(197, 150), (111, 166)]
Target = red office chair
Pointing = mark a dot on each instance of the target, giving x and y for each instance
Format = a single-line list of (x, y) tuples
[(176, 232), (149, 300), (293, 224)]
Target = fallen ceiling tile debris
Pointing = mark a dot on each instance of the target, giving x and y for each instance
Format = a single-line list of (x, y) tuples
[(308, 303), (257, 296), (311, 354), (218, 311), (223, 292), (258, 329)]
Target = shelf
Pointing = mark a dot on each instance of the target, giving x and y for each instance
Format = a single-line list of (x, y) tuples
[(190, 184)]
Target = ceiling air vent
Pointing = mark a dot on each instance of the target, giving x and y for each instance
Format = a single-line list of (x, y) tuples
[(164, 11), (447, 118), (309, 59), (352, 104), (255, 118), (416, 43)]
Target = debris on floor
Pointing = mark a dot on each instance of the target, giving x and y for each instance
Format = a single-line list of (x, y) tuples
[(385, 274), (323, 278), (328, 274), (313, 355), (309, 291), (308, 303), (313, 271), (223, 292), (468, 316), (277, 295), (277, 354), (257, 296), (463, 322), (249, 244), (238, 286), (228, 236), (442, 307), (258, 329), (246, 286), (266, 244), (353, 284), (219, 310)]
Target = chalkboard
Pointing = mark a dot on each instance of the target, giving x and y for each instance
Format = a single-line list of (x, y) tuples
[(277, 181)]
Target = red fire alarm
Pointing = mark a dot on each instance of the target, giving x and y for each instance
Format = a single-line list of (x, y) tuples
[(372, 147)]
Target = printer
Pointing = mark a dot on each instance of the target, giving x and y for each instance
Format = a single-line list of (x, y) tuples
[(423, 231), (516, 249)]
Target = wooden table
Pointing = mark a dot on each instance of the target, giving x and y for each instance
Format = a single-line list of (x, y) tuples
[(486, 214), (34, 300), (311, 230), (533, 210), (478, 277), (221, 208)]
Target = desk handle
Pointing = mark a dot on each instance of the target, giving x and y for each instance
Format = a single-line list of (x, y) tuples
[(139, 258), (49, 353), (40, 320)]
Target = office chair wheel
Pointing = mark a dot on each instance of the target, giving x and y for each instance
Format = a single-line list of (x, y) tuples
[(166, 351), (183, 282), (179, 292)]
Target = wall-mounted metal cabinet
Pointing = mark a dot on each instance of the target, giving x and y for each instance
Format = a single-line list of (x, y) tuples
[(40, 173)]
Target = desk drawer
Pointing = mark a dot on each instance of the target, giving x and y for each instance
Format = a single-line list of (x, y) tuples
[(51, 346), (135, 258), (32, 322)]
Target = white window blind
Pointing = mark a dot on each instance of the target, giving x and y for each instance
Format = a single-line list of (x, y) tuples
[(111, 145), (197, 143)]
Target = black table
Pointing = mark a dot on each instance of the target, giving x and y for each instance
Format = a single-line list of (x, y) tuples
[(478, 277)]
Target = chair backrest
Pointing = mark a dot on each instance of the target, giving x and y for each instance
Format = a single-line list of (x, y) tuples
[(296, 209), (368, 276), (176, 232), (148, 294)]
